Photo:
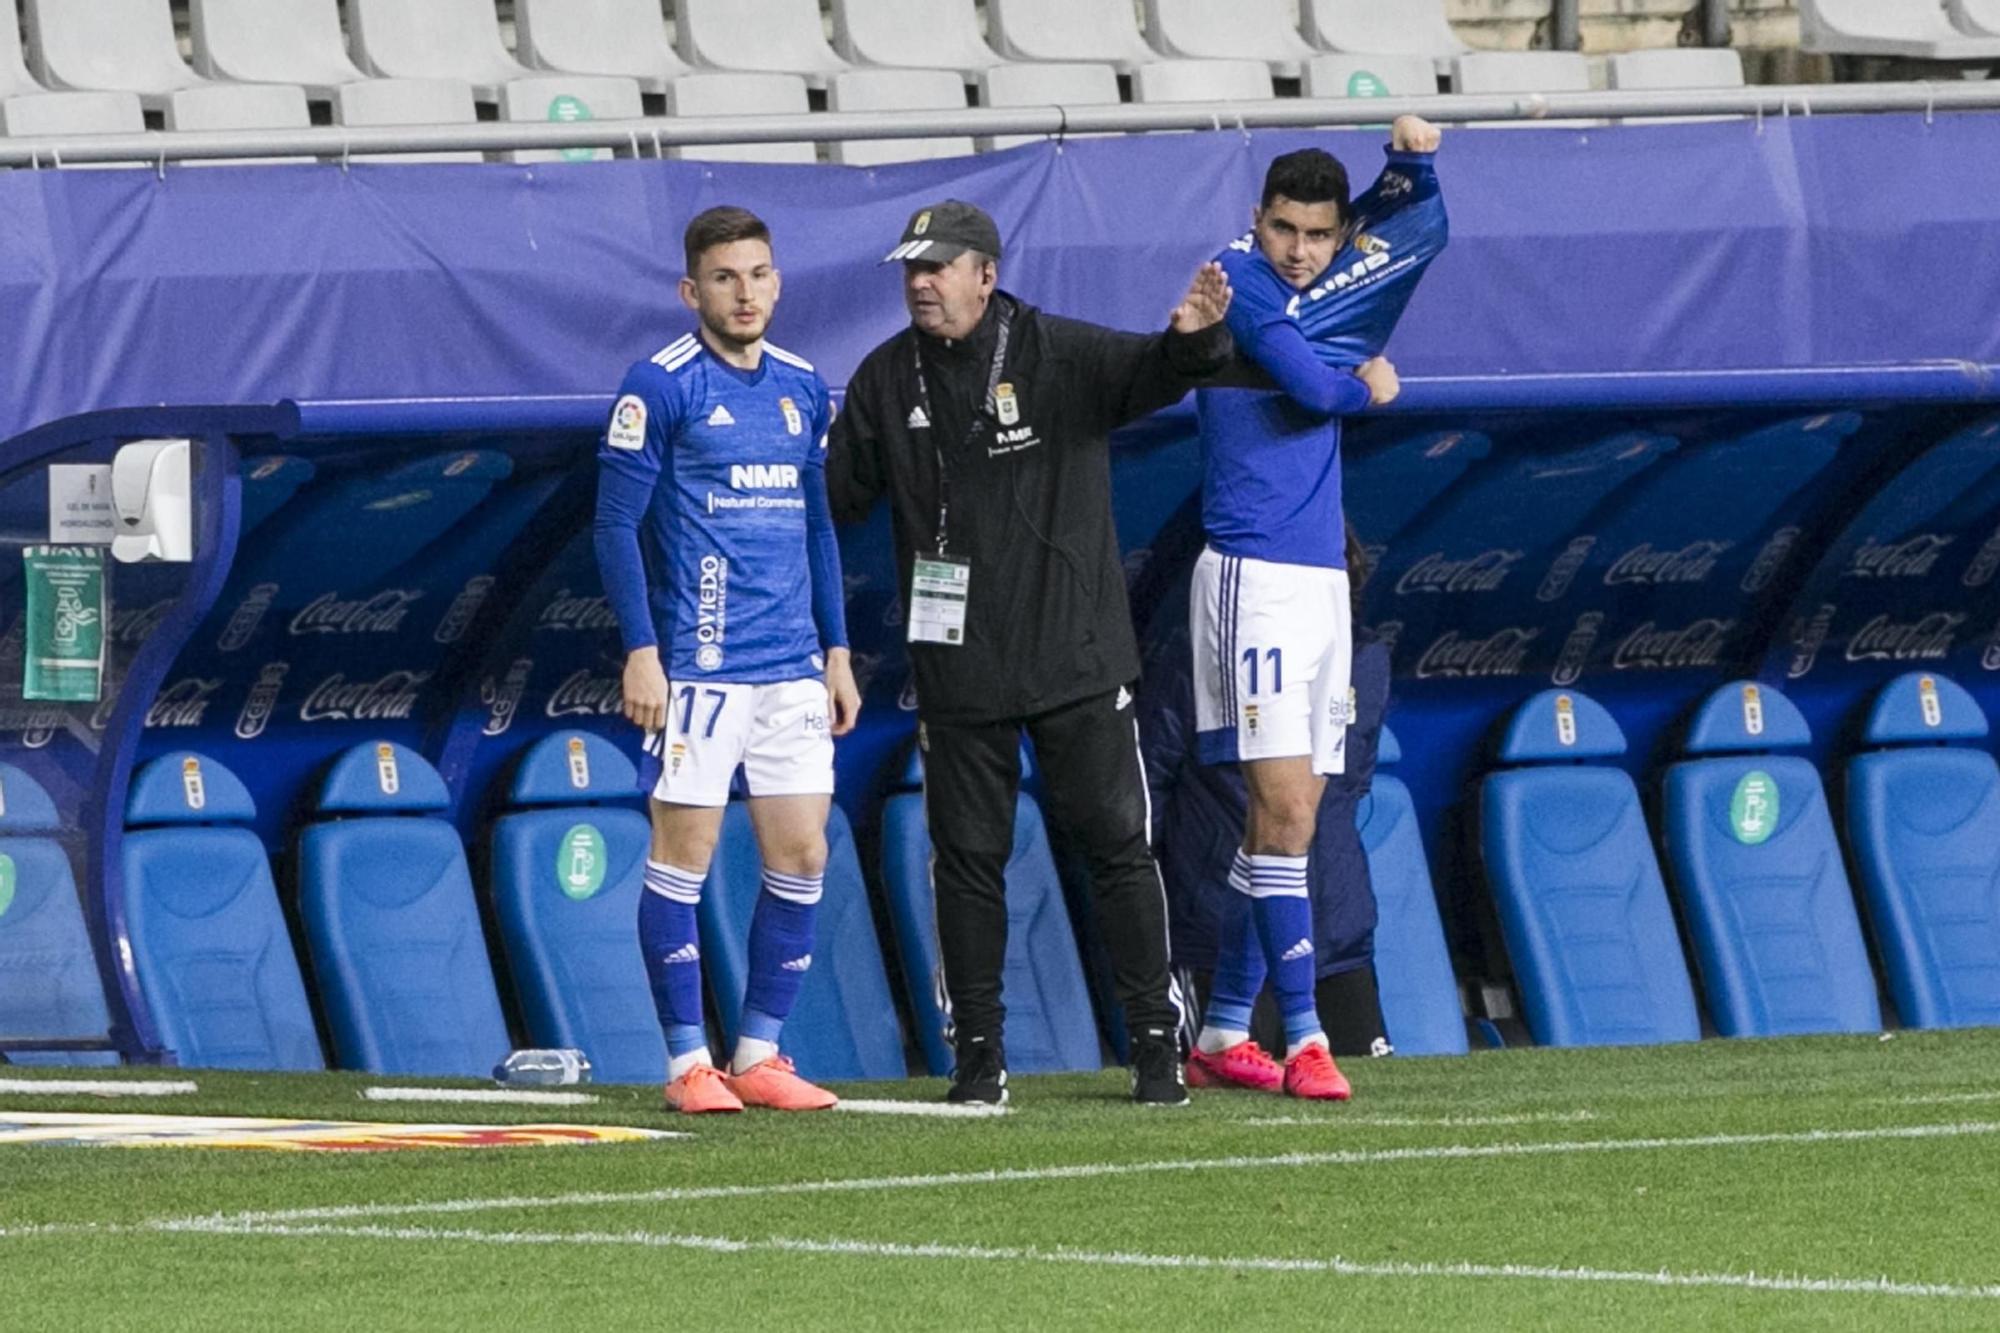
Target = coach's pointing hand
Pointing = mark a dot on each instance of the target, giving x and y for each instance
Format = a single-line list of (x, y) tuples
[(1206, 302)]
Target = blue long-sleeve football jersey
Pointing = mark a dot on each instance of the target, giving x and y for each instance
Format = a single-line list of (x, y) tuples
[(713, 535), (1271, 457)]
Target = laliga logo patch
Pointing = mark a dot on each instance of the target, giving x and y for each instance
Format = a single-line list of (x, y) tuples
[(386, 776), (197, 795), (1565, 720), (793, 421), (628, 423), (1006, 404), (1370, 245)]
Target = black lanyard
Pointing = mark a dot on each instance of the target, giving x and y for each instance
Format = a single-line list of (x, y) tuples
[(972, 433)]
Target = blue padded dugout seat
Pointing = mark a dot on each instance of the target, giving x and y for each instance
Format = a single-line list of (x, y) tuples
[(1759, 873), (567, 873), (49, 985), (1577, 886), (209, 941), (1419, 994), (391, 923), (1923, 820), (843, 1024), (1050, 1026)]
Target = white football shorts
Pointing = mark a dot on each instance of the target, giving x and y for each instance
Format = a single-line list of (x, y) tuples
[(780, 733), (1273, 654)]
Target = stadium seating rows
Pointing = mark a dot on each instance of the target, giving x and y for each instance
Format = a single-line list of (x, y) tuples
[(394, 933), (115, 66)]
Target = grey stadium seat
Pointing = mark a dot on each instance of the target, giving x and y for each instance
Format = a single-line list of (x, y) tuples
[(1370, 76), (434, 39), (108, 45), (1373, 27), (897, 90), (913, 34), (33, 115), (1976, 18), (766, 36), (1672, 67), (568, 98), (1202, 81), (239, 106), (1243, 30), (623, 37), (1523, 72), (1096, 31), (377, 102), (740, 95), (1913, 29), (272, 41), (1044, 85)]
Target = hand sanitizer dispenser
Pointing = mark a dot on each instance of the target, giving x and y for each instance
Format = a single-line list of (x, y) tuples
[(151, 490)]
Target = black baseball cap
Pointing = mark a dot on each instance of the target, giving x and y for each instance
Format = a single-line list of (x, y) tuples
[(942, 232)]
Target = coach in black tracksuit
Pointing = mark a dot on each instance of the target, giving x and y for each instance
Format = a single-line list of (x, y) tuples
[(985, 422)]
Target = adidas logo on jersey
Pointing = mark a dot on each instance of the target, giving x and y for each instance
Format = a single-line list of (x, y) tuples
[(798, 964), (1300, 950), (687, 953), (720, 416), (919, 420)]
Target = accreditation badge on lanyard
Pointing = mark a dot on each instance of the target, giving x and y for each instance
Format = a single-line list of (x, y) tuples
[(941, 583)]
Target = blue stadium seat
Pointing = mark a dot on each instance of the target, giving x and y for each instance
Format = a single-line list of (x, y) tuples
[(567, 873), (844, 1023), (1923, 819), (1759, 873), (209, 941), (1050, 1026), (390, 920), (1420, 1005), (1577, 886), (49, 987)]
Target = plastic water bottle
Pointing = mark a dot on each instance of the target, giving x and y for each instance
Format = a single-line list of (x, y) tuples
[(542, 1069)]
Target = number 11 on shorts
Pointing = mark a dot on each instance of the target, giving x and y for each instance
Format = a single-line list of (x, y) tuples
[(1276, 657)]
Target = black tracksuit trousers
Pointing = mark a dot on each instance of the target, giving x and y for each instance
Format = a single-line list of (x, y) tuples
[(1096, 802)]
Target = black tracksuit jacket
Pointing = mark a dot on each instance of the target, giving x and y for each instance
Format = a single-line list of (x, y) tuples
[(1030, 504)]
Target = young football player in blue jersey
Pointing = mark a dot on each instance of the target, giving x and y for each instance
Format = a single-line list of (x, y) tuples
[(1320, 282), (717, 551)]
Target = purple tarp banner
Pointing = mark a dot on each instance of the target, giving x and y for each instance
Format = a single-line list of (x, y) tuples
[(1737, 243)]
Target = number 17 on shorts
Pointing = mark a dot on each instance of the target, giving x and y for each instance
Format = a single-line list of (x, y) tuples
[(1273, 646), (779, 733)]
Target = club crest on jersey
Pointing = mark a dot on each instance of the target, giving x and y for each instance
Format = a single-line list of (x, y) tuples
[(793, 421), (628, 423), (1006, 404)]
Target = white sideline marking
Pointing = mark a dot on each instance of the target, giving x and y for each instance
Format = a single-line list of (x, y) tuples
[(883, 1106), (1336, 1266), (1940, 1098), (1096, 1170), (1447, 1121), (96, 1087), (507, 1095)]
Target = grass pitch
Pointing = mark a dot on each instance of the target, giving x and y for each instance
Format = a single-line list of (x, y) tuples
[(1822, 1184)]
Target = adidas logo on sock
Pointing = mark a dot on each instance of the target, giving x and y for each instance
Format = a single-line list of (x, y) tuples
[(798, 964), (1297, 951), (720, 416), (919, 421), (687, 953)]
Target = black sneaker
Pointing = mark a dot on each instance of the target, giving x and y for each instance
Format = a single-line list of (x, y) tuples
[(981, 1076), (1157, 1076)]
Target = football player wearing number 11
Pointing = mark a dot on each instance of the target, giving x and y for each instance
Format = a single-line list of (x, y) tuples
[(1320, 283), (717, 552)]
